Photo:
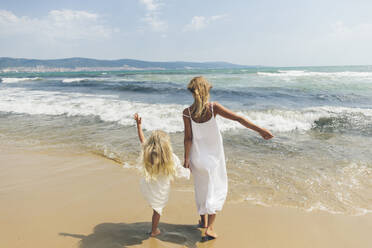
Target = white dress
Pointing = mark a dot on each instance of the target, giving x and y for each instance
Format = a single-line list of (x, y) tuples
[(156, 192), (208, 167)]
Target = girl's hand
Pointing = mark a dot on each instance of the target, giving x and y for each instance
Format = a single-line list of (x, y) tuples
[(138, 119), (266, 134), (139, 128)]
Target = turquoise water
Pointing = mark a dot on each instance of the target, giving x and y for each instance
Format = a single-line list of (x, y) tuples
[(321, 118)]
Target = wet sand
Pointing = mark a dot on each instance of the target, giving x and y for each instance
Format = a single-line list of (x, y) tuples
[(54, 199)]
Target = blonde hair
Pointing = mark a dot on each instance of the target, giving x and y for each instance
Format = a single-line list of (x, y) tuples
[(158, 156), (200, 87)]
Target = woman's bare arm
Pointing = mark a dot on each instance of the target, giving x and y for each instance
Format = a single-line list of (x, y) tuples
[(228, 114), (187, 139), (139, 128)]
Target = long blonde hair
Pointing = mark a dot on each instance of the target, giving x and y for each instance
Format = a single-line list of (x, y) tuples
[(158, 156), (200, 88)]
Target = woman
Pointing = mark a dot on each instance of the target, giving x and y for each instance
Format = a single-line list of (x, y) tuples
[(204, 153)]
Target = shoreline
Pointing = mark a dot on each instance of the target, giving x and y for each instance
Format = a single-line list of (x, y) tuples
[(57, 199)]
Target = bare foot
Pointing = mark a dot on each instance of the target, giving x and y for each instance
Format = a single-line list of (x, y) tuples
[(202, 224), (156, 233), (210, 233)]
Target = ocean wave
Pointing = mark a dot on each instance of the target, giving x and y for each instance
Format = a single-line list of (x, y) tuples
[(337, 189), (72, 80), (17, 80), (301, 73), (317, 206), (75, 80), (165, 116), (120, 84)]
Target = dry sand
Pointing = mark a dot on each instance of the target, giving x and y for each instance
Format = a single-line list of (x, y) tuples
[(52, 199)]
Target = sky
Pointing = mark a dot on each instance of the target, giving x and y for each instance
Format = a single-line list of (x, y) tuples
[(247, 32)]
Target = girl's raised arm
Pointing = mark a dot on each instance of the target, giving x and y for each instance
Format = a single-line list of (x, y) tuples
[(139, 128), (228, 114)]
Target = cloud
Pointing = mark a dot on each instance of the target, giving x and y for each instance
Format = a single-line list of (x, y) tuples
[(152, 15), (201, 22), (151, 5), (58, 25), (155, 23), (218, 17)]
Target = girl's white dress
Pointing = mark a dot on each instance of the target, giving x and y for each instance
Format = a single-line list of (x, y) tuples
[(156, 191), (208, 167)]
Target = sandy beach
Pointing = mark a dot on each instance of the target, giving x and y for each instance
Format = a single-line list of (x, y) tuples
[(53, 199)]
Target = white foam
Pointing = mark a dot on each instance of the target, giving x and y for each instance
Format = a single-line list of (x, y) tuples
[(316, 206), (166, 117), (105, 79), (299, 73), (338, 189), (290, 120), (74, 80), (17, 80), (277, 120)]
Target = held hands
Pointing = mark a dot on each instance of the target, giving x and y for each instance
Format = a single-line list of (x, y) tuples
[(138, 119), (186, 164), (265, 134)]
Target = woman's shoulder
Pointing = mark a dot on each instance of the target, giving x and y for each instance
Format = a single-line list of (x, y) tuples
[(186, 112), (215, 106)]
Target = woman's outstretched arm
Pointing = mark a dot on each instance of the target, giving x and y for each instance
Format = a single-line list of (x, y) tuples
[(226, 113), (139, 128), (187, 138)]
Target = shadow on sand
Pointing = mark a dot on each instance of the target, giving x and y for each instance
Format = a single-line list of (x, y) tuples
[(110, 235)]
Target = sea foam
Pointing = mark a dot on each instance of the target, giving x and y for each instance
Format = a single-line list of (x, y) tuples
[(17, 80), (301, 73), (167, 117), (74, 80)]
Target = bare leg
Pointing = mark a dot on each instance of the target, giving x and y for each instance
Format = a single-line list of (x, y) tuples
[(203, 221), (155, 221), (210, 229)]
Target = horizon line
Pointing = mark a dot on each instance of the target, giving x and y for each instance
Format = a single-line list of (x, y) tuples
[(184, 61)]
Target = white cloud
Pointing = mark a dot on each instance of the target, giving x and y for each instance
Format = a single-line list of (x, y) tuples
[(197, 23), (58, 25), (151, 5), (200, 22), (218, 17), (152, 15), (155, 23), (7, 16)]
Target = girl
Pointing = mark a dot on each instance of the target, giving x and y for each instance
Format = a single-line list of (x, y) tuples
[(160, 166), (204, 153)]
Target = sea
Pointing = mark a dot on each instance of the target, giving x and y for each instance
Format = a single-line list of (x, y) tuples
[(321, 117)]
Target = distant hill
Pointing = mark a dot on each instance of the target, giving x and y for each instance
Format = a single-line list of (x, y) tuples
[(73, 63)]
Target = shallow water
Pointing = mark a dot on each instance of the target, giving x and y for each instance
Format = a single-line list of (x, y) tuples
[(321, 117)]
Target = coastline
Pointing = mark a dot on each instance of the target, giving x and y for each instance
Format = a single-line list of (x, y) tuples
[(56, 199)]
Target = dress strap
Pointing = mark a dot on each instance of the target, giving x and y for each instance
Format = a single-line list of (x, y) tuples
[(212, 109), (188, 116)]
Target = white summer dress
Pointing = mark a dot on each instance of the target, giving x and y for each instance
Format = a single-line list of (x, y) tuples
[(208, 167), (156, 191)]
